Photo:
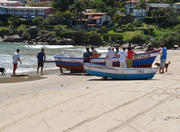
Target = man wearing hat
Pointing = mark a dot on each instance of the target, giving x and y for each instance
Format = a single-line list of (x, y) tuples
[(122, 57)]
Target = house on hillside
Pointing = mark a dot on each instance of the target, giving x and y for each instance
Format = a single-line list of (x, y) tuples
[(41, 2), (152, 6), (97, 19), (2, 10), (27, 11), (132, 10), (9, 3), (177, 6), (38, 1)]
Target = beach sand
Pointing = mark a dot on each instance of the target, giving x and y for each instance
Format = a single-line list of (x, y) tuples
[(77, 103)]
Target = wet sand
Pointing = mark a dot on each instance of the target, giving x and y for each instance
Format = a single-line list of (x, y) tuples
[(77, 103)]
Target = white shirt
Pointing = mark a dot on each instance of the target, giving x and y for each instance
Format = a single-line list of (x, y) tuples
[(123, 54), (110, 55), (16, 57)]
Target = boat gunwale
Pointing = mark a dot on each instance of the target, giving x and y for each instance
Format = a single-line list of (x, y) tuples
[(65, 57), (117, 68)]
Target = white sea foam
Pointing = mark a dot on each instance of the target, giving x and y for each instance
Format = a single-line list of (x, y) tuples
[(58, 46), (48, 46), (102, 51)]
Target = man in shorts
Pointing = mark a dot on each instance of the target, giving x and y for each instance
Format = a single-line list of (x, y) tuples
[(41, 58), (163, 56), (16, 58)]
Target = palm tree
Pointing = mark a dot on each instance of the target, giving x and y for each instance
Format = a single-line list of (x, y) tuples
[(86, 3), (77, 8), (156, 13), (142, 4)]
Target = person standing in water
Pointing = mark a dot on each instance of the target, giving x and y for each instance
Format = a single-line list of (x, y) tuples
[(16, 58), (41, 58)]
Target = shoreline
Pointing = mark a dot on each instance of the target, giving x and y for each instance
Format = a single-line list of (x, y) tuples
[(27, 76)]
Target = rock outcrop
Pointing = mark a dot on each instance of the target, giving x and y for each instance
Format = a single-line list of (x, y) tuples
[(13, 38)]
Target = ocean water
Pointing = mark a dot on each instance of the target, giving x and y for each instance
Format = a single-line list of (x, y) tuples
[(28, 55)]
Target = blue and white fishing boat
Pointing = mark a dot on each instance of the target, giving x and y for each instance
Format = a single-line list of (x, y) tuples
[(120, 73), (76, 64)]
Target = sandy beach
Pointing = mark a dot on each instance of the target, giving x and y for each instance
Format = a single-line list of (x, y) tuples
[(77, 103)]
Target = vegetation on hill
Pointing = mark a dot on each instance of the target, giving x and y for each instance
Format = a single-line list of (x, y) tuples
[(161, 25)]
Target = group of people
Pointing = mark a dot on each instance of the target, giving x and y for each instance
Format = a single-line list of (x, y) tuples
[(41, 57), (125, 57)]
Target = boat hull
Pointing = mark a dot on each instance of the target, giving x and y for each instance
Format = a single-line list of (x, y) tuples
[(76, 64), (120, 73)]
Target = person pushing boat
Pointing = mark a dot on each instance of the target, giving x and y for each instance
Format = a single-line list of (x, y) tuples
[(87, 55), (122, 57), (109, 57), (130, 53), (95, 54)]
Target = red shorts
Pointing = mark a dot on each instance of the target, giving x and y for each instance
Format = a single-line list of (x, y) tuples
[(14, 66)]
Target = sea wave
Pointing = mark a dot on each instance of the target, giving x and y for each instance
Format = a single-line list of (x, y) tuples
[(48, 46), (102, 51)]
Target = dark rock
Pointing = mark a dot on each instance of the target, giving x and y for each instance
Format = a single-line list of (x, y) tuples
[(33, 31), (139, 47), (53, 42), (66, 42), (176, 46), (1, 39), (38, 38)]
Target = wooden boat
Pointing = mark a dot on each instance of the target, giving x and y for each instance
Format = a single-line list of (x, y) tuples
[(75, 64), (120, 73)]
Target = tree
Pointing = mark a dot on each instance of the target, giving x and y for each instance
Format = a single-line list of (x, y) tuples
[(94, 38), (142, 4), (155, 14), (62, 5), (119, 19), (77, 8), (171, 16), (87, 3), (38, 21), (99, 5), (13, 22)]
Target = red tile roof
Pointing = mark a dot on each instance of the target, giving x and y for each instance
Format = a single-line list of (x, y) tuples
[(90, 14), (95, 17), (91, 24)]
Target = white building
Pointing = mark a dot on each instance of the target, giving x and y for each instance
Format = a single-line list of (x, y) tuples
[(26, 11), (2, 10), (139, 12)]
